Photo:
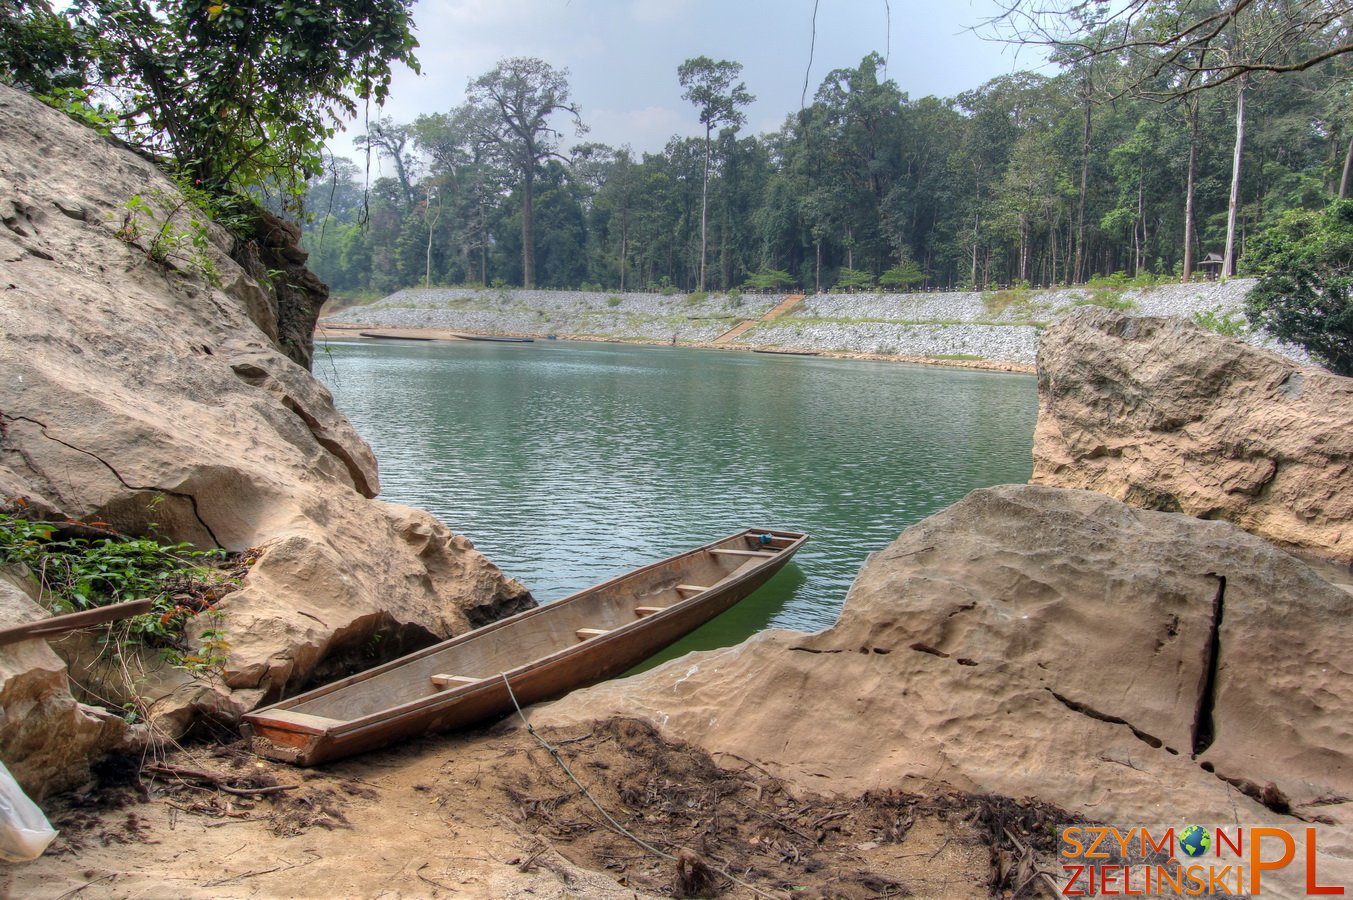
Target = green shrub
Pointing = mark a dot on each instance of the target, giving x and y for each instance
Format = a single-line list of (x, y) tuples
[(997, 302), (1121, 281), (1224, 323), (903, 274), (769, 280), (1305, 290), (614, 301), (79, 573), (1109, 298), (852, 280)]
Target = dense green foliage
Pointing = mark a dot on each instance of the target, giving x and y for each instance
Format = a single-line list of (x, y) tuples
[(236, 95), (78, 573), (1305, 292), (978, 191)]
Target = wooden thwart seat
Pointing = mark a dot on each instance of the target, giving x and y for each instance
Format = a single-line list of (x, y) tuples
[(453, 680), (305, 720), (642, 611), (691, 588), (585, 633), (722, 552)]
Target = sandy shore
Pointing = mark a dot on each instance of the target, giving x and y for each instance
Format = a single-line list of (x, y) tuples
[(347, 331), (490, 813)]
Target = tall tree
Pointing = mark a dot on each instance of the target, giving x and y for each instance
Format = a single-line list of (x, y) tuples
[(389, 140), (237, 95), (616, 201), (710, 86), (1182, 34), (508, 111)]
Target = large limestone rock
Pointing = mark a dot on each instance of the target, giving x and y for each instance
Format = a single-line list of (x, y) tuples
[(47, 738), (1162, 414), (144, 395), (1123, 664)]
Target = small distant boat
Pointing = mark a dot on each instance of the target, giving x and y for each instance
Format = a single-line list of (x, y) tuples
[(394, 337), (543, 653), (497, 338), (787, 352)]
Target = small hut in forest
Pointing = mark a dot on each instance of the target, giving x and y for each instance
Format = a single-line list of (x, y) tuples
[(1211, 266)]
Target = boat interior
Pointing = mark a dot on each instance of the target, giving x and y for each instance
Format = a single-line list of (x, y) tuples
[(544, 631)]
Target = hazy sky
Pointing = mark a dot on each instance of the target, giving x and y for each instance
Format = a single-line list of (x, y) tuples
[(622, 55)]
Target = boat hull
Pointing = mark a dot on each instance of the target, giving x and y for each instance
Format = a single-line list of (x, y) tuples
[(292, 731), (495, 338)]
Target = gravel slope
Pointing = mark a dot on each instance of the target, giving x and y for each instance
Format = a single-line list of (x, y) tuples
[(997, 326)]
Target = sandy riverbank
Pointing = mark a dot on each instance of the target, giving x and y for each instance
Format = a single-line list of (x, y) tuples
[(328, 330), (490, 814)]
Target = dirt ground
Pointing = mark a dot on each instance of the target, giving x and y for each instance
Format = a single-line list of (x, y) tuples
[(493, 814)]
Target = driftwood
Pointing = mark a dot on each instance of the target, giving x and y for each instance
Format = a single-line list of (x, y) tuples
[(219, 781), (73, 621)]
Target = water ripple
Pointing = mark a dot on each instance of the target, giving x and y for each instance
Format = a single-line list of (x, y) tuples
[(569, 463)]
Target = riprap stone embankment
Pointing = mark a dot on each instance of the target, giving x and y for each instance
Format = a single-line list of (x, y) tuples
[(999, 326)]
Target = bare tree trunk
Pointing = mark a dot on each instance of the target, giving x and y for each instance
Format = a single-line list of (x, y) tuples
[(1085, 181), (1052, 234), (975, 223), (624, 246), (1189, 212), (1024, 254), (818, 275), (704, 210), (528, 229), (1348, 170), (1138, 263), (1233, 210), (483, 248)]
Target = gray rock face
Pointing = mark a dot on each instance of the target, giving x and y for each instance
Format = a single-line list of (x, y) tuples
[(1031, 641), (141, 394), (47, 738), (1162, 414)]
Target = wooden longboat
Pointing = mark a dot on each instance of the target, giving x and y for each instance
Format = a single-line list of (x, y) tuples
[(545, 652), (786, 352), (394, 337), (496, 338)]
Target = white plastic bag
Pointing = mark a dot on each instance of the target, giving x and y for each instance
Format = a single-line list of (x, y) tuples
[(24, 830)]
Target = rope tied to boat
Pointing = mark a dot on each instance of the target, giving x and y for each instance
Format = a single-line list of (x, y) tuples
[(615, 826)]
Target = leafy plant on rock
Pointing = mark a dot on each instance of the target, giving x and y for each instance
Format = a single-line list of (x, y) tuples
[(76, 573)]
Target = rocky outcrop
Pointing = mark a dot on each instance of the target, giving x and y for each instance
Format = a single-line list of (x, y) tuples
[(142, 384), (1028, 641), (284, 296), (1165, 415), (47, 738)]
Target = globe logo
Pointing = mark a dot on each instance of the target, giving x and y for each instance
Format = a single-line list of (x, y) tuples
[(1194, 840)]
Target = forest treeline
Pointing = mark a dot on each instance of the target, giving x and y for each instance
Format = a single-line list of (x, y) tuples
[(1030, 178)]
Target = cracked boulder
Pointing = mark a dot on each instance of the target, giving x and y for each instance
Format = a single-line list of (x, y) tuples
[(1163, 414), (145, 385), (1123, 664)]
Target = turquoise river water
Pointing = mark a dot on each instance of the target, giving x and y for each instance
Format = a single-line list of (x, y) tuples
[(568, 463)]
